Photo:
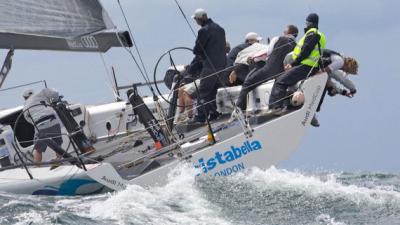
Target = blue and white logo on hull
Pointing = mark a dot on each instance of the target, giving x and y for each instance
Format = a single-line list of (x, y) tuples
[(232, 154)]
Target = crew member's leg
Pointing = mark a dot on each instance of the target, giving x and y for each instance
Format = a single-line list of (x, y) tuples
[(253, 80), (37, 156), (188, 102), (207, 91), (181, 100), (190, 93), (41, 140), (39, 147), (212, 101), (284, 81)]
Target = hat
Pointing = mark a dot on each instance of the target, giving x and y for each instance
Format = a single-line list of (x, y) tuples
[(27, 93), (312, 18), (199, 13), (252, 36)]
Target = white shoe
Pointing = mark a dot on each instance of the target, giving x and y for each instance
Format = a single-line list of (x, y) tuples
[(273, 111), (181, 117)]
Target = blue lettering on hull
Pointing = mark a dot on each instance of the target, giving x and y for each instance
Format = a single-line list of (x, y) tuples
[(230, 155), (230, 170)]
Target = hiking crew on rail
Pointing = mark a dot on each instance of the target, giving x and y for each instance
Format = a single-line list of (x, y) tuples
[(282, 59)]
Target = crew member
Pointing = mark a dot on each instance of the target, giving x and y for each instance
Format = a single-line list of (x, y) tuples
[(43, 118), (210, 47), (273, 66), (238, 75), (250, 39), (337, 67), (306, 56)]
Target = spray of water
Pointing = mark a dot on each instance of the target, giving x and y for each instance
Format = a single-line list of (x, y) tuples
[(273, 196)]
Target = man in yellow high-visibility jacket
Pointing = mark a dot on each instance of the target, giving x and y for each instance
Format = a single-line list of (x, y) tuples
[(306, 62)]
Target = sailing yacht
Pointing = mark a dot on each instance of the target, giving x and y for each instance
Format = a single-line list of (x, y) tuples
[(135, 141)]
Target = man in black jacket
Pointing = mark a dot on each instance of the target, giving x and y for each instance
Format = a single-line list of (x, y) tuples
[(210, 47), (306, 56), (273, 65)]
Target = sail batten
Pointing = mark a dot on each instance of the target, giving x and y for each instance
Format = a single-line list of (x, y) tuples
[(59, 22)]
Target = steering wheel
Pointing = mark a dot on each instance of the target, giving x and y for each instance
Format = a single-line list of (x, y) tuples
[(172, 62)]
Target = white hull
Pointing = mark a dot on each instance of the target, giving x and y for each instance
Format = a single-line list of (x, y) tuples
[(63, 180), (271, 143)]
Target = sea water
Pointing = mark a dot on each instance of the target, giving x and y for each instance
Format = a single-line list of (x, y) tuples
[(273, 196)]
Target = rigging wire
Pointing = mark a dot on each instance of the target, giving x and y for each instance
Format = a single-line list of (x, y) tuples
[(245, 128), (133, 57), (207, 58), (186, 19), (255, 84), (144, 74), (216, 72), (24, 85), (16, 147), (302, 82), (109, 78), (133, 41)]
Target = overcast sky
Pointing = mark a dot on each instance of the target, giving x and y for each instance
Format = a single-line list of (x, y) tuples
[(355, 134)]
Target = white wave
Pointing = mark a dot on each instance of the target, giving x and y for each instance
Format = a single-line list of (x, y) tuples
[(33, 217), (316, 186), (13, 203), (179, 202), (327, 220)]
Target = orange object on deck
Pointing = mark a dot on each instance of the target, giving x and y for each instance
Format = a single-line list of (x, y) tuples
[(158, 145), (210, 137)]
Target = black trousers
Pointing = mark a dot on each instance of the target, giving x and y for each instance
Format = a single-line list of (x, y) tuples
[(207, 94), (286, 80), (255, 78)]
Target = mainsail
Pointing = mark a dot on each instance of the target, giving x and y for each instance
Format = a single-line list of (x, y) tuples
[(72, 25)]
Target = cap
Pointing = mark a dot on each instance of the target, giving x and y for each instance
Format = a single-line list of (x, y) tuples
[(199, 13), (312, 18), (252, 36), (27, 93)]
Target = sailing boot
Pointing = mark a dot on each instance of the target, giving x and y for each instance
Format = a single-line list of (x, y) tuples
[(314, 121)]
